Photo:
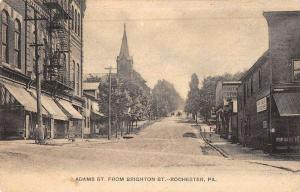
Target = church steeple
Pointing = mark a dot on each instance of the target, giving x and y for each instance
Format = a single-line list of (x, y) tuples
[(124, 51), (124, 60)]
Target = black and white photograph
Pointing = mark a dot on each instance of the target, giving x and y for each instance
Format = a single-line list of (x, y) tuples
[(150, 95)]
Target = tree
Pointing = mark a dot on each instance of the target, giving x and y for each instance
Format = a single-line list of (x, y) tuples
[(164, 99), (193, 99), (130, 101)]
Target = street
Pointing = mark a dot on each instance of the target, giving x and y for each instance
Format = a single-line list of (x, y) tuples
[(170, 149)]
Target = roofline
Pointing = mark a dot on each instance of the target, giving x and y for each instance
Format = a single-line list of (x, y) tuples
[(261, 60), (278, 13)]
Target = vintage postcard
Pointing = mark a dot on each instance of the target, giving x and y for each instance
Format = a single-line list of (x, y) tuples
[(150, 95)]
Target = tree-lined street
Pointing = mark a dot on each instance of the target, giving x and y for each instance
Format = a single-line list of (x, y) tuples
[(168, 148)]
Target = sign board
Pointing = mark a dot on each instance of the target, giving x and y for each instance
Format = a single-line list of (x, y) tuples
[(265, 124), (261, 105)]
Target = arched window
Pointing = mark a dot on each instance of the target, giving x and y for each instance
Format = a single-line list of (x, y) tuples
[(17, 54), (5, 36), (78, 30), (78, 79), (72, 17), (75, 21)]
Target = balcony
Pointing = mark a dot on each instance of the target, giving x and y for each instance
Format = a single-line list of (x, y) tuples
[(59, 6), (58, 83)]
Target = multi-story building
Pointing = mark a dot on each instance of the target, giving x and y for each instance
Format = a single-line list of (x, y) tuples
[(55, 28), (269, 96), (226, 106)]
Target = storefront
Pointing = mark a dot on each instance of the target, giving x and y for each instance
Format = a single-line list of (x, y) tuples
[(286, 120), (17, 112), (75, 126)]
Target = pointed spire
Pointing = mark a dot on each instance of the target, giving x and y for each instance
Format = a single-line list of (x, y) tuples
[(124, 51)]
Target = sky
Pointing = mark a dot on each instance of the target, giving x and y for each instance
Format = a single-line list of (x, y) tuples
[(173, 39)]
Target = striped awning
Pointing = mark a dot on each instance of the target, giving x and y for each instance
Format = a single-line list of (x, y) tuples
[(52, 108), (288, 104), (23, 97), (68, 107)]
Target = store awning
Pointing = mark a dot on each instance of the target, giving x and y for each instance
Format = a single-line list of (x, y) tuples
[(23, 97), (288, 104), (52, 108), (96, 115), (74, 114)]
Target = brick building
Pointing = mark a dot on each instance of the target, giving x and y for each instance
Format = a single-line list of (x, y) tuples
[(269, 96), (59, 37)]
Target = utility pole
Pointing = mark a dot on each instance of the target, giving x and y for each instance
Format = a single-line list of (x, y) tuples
[(109, 102), (41, 134)]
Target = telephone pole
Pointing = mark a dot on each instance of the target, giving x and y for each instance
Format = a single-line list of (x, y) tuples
[(109, 102), (38, 83), (40, 137)]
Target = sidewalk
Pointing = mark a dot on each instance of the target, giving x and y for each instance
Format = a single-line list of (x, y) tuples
[(238, 152)]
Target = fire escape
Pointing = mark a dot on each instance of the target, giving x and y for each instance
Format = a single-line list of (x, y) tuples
[(57, 50)]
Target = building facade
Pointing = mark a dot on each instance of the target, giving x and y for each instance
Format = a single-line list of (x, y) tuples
[(95, 121), (226, 108), (55, 28), (268, 98)]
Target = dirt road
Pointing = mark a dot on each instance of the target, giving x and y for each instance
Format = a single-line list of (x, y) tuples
[(166, 156)]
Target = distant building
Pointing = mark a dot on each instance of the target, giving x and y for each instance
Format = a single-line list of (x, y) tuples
[(226, 107), (94, 118), (60, 64), (269, 96)]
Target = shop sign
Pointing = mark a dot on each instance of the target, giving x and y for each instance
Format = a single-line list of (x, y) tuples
[(261, 105)]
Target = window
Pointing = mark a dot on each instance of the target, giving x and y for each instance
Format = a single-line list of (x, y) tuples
[(245, 93), (5, 36), (78, 79), (72, 17), (74, 74), (78, 30), (63, 62), (69, 72), (75, 25), (251, 86), (66, 5), (259, 79), (17, 54), (297, 70)]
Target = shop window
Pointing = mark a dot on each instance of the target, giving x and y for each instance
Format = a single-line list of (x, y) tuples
[(296, 71), (5, 52), (17, 54)]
